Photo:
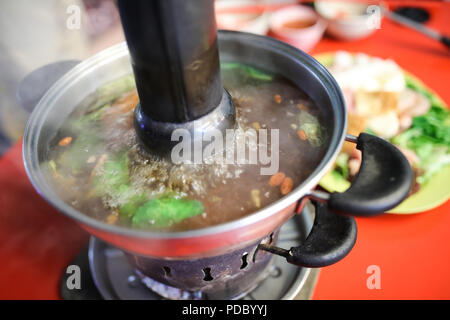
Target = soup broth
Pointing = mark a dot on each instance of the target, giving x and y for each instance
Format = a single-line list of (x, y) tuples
[(97, 166)]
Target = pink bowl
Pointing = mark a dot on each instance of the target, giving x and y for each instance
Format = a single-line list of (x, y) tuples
[(309, 30)]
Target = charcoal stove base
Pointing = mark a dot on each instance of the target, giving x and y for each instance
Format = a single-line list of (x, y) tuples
[(112, 277)]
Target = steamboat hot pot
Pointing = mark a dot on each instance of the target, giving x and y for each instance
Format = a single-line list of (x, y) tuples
[(187, 259)]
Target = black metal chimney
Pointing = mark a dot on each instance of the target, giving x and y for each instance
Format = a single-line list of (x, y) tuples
[(175, 59)]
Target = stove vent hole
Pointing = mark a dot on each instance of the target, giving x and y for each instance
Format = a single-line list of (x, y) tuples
[(244, 261), (167, 271), (207, 272)]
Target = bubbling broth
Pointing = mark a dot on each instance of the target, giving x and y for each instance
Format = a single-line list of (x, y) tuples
[(97, 166)]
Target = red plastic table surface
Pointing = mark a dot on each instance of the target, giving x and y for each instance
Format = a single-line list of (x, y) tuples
[(412, 252)]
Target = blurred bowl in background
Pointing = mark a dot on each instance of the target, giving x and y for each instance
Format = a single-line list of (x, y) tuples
[(297, 25), (348, 20), (229, 17)]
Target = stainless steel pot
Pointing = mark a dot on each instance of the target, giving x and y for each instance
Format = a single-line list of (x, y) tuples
[(383, 182)]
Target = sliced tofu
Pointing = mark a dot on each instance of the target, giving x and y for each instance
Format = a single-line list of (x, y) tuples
[(374, 103), (356, 125), (384, 125)]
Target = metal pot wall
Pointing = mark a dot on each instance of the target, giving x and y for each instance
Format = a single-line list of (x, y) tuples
[(384, 180)]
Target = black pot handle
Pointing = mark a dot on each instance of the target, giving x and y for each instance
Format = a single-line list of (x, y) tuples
[(383, 181), (330, 239)]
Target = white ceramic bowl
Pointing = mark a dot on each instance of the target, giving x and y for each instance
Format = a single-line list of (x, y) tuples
[(349, 20), (257, 23), (304, 38)]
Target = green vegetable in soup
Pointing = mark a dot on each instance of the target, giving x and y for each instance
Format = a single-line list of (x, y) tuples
[(112, 91), (133, 201), (113, 181), (105, 95), (83, 147), (52, 166), (247, 71), (313, 130), (165, 211), (116, 173), (86, 122)]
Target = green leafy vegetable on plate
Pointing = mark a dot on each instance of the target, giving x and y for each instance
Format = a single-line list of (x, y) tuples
[(428, 137)]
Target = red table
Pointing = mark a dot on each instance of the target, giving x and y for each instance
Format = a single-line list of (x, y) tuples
[(413, 252), (37, 243)]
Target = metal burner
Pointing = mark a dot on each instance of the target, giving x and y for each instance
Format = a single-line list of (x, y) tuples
[(115, 277)]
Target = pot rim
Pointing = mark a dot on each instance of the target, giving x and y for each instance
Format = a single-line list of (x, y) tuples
[(39, 182)]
